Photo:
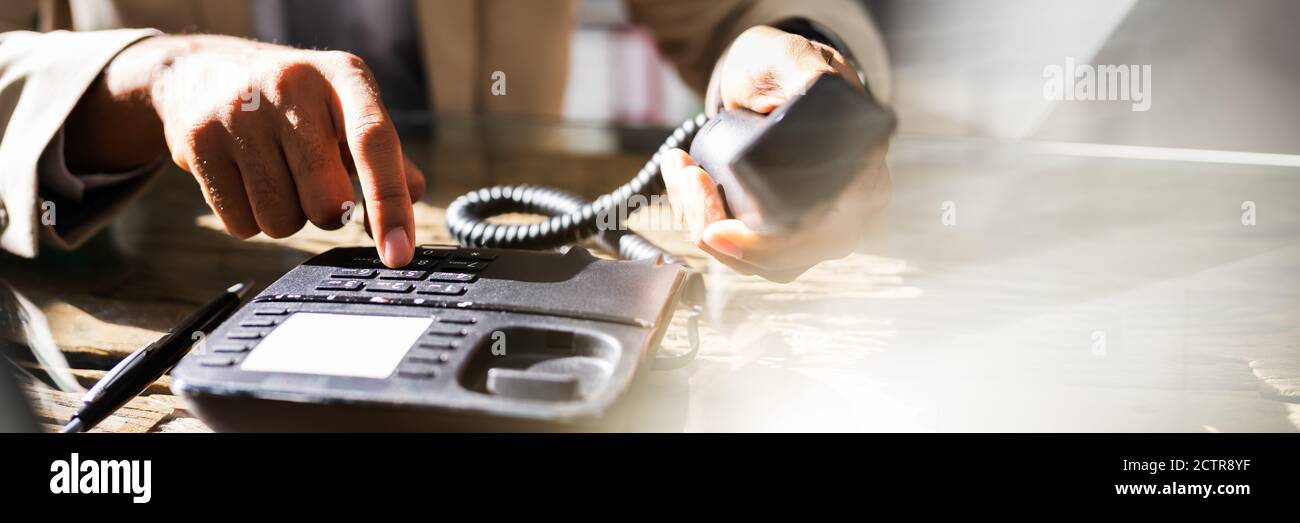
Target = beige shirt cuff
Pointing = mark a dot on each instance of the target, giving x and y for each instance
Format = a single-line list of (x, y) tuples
[(45, 74)]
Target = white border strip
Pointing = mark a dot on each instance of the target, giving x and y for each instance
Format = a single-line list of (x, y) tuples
[(1136, 152)]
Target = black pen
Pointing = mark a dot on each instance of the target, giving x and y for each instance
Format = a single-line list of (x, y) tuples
[(134, 373)]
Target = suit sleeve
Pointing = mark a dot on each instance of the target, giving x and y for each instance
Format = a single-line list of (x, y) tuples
[(694, 35), (42, 76)]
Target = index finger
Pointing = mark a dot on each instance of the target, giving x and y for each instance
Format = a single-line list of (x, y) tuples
[(377, 155)]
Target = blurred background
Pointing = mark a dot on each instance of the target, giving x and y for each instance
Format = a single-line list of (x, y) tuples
[(1224, 74)]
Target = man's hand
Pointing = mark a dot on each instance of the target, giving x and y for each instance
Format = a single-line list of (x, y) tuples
[(272, 134), (764, 68)]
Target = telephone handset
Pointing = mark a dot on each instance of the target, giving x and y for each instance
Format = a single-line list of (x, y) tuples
[(778, 170), (774, 171)]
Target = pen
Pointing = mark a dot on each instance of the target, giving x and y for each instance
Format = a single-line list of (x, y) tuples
[(134, 373)]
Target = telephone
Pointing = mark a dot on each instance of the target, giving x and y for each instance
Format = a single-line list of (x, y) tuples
[(460, 339), (497, 334)]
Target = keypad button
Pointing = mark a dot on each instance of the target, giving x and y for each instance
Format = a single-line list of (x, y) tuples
[(424, 262), (390, 286), (475, 255), (217, 361), (366, 261), (354, 273), (452, 277), (433, 252), (417, 373), (438, 345), (448, 331), (403, 275), (230, 348), (339, 285), (259, 322), (463, 265), (244, 335), (272, 311), (444, 289), (432, 359), (458, 320)]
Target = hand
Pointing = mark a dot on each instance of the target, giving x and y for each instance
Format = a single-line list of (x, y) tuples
[(763, 69), (272, 134)]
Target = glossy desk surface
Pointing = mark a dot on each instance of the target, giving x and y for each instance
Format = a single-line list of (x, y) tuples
[(1007, 288)]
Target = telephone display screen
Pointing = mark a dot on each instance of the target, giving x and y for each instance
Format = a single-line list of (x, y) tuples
[(360, 346)]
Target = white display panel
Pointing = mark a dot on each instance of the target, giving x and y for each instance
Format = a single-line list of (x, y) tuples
[(337, 345)]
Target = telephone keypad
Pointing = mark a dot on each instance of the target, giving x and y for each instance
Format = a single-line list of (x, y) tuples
[(434, 276)]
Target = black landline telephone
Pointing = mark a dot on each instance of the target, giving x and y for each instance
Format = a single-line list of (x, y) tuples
[(495, 334)]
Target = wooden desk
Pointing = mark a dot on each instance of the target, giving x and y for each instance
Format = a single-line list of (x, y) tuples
[(1071, 293)]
